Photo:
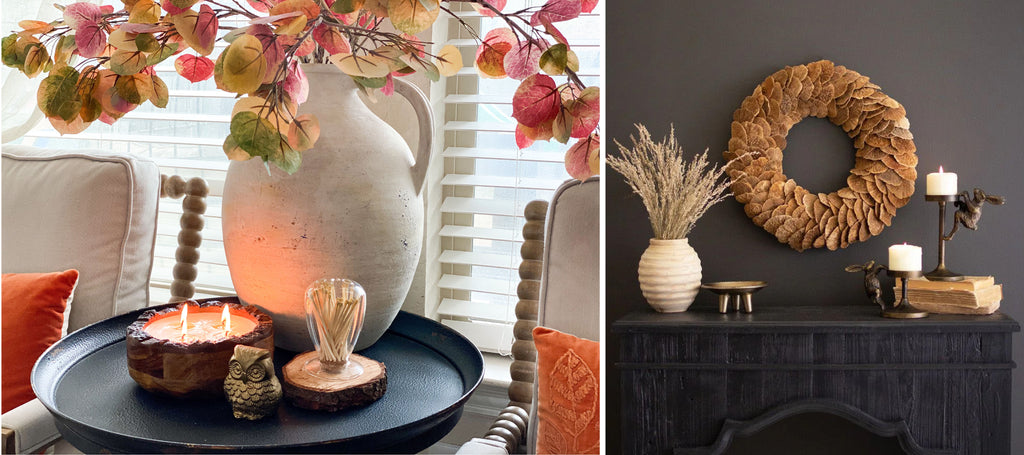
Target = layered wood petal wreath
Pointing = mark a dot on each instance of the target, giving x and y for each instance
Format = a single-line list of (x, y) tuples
[(881, 181)]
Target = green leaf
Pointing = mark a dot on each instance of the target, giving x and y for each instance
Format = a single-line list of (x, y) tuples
[(370, 82), (36, 58), (147, 43), (346, 6), (134, 88), (233, 151), (91, 107), (160, 94), (126, 63), (10, 56), (286, 158), (554, 60), (58, 95), (165, 51), (562, 126), (64, 50), (255, 134)]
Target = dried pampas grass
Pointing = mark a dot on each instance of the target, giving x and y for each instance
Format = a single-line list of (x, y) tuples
[(676, 192)]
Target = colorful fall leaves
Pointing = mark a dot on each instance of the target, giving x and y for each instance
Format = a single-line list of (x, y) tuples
[(260, 63), (542, 108)]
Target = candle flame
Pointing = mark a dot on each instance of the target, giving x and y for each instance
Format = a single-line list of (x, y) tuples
[(184, 321), (940, 169), (225, 320)]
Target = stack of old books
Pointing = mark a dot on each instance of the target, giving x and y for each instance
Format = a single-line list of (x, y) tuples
[(973, 295)]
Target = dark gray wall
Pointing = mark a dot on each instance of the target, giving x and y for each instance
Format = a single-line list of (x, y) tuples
[(957, 67)]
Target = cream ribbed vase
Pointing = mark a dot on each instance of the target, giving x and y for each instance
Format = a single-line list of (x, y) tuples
[(669, 275)]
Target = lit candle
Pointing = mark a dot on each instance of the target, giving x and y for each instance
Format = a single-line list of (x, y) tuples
[(941, 183), (905, 258), (200, 324), (225, 320)]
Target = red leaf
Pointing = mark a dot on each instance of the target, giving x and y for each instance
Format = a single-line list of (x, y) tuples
[(194, 68), (331, 39), (107, 9), (523, 60), (490, 56), (497, 4), (556, 11), (91, 40), (206, 27), (584, 158), (586, 111), (107, 118), (536, 101), (588, 6), (79, 14), (554, 32), (522, 139), (295, 83), (389, 87)]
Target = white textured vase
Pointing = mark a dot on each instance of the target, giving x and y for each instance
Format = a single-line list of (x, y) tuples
[(669, 275), (352, 210)]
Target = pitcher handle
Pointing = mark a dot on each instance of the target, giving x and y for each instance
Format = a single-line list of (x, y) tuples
[(426, 124)]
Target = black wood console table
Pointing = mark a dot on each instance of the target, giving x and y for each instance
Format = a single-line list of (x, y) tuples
[(692, 381)]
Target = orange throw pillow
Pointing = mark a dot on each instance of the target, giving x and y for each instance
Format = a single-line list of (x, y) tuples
[(33, 315), (568, 393)]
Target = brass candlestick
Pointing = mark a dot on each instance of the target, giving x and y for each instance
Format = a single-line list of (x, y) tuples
[(904, 309), (941, 273), (901, 309), (968, 213)]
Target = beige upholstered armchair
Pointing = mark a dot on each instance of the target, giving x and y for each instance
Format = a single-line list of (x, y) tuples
[(560, 289), (95, 212)]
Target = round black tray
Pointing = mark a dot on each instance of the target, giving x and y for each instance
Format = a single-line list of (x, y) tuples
[(83, 380)]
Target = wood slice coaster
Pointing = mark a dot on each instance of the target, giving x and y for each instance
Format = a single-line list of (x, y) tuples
[(306, 391)]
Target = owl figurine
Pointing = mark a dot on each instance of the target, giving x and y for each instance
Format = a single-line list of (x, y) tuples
[(251, 386)]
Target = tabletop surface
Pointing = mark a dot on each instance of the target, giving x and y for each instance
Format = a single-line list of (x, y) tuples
[(84, 381), (807, 318)]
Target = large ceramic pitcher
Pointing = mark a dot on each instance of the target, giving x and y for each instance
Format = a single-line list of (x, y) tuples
[(353, 210)]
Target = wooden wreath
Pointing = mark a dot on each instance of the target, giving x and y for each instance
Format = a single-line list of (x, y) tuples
[(881, 181)]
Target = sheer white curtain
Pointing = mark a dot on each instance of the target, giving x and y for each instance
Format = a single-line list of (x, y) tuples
[(20, 113)]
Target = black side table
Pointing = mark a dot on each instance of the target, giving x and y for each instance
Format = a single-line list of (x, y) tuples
[(83, 380), (692, 381)]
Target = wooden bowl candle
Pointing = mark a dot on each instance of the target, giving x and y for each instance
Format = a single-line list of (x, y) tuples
[(183, 351)]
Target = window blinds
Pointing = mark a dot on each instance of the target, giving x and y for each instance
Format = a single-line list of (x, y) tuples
[(488, 181)]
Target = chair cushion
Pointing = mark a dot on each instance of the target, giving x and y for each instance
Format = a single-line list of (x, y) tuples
[(568, 393), (87, 210), (33, 316), (571, 282)]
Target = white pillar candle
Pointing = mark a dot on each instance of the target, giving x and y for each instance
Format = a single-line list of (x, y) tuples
[(905, 258), (941, 183)]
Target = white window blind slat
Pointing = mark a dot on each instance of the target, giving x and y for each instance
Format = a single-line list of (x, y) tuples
[(477, 284), (479, 206), (504, 154), (474, 258), (470, 232), (476, 311), (496, 127), (500, 181), (486, 336)]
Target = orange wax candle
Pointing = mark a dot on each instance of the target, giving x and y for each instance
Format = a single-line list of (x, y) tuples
[(200, 324)]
